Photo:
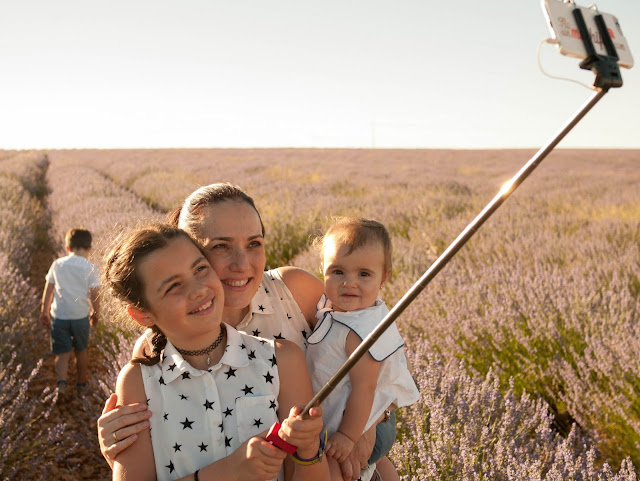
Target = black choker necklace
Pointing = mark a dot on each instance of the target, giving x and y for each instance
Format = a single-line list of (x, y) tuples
[(206, 350)]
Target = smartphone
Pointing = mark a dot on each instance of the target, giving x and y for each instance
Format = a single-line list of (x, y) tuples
[(565, 31)]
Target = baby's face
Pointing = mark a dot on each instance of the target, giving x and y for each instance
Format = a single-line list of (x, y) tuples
[(352, 281)]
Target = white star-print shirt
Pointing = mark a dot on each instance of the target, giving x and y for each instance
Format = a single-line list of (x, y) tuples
[(274, 314), (202, 416)]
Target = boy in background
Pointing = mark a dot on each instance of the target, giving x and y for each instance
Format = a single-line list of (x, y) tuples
[(70, 306)]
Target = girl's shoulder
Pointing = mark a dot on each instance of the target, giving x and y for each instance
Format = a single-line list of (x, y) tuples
[(129, 386)]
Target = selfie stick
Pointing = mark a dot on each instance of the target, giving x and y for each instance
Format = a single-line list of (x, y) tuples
[(607, 75)]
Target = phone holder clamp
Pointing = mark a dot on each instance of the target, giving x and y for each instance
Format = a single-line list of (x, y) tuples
[(605, 67)]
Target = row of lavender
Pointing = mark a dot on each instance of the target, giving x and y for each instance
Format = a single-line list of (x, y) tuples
[(80, 196), (83, 197), (22, 230), (544, 300)]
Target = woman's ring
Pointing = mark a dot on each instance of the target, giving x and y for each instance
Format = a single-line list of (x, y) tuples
[(115, 438)]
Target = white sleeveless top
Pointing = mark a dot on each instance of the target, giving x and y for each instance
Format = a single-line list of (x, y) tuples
[(326, 353), (202, 416)]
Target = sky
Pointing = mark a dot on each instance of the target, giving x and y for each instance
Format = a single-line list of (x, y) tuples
[(299, 73)]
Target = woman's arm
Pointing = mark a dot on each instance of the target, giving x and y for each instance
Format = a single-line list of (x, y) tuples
[(123, 421), (296, 391), (126, 420), (305, 288), (136, 462)]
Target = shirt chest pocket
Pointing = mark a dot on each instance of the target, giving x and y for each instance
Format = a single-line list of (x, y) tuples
[(255, 414)]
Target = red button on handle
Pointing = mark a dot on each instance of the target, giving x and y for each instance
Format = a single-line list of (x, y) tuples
[(273, 438)]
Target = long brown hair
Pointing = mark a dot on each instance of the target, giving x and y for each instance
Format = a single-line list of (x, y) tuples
[(122, 276), (189, 216)]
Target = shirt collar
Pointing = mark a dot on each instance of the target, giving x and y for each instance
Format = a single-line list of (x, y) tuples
[(260, 305), (174, 365)]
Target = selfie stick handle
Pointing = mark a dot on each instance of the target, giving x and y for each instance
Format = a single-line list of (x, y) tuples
[(444, 258)]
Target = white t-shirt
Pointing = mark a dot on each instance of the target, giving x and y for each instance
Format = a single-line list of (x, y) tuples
[(73, 277)]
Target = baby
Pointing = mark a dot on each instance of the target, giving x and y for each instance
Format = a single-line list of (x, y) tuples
[(356, 259)]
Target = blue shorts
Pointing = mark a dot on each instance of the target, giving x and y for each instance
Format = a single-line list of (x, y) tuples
[(385, 437), (69, 334)]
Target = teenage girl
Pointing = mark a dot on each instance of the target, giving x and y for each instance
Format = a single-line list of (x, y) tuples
[(213, 391)]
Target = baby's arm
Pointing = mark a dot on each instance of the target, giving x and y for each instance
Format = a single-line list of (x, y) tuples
[(364, 378)]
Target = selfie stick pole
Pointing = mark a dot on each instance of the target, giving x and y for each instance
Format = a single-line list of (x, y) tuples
[(607, 75)]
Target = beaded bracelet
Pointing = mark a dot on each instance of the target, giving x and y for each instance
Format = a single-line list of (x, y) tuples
[(317, 458)]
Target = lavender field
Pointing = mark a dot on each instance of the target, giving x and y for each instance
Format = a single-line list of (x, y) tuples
[(525, 347)]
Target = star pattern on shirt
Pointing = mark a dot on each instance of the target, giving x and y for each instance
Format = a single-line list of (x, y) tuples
[(256, 332), (190, 397), (247, 390), (279, 336), (261, 307)]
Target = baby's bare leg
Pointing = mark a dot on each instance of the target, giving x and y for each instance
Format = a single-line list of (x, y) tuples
[(387, 470)]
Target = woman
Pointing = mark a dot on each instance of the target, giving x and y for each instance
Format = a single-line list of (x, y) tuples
[(277, 304)]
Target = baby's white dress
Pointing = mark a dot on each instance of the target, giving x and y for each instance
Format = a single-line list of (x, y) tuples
[(326, 353)]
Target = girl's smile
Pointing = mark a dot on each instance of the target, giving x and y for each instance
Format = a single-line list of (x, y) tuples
[(184, 296)]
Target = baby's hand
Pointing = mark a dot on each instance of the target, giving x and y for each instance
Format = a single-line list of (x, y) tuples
[(339, 446)]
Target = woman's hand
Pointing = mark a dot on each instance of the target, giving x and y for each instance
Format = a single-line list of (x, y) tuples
[(359, 456), (118, 427), (303, 433)]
